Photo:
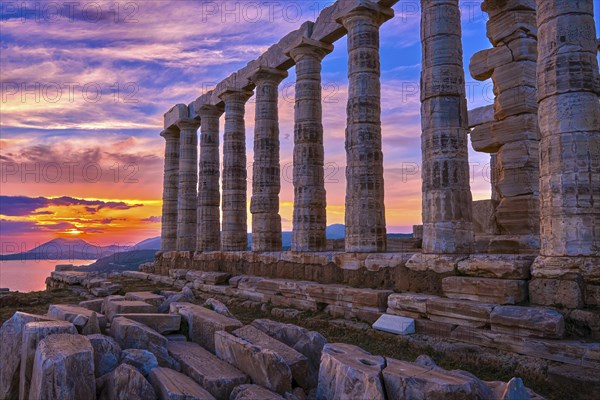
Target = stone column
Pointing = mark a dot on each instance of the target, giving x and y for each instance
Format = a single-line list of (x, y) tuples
[(209, 197), (188, 179), (234, 236), (365, 210), (264, 205), (310, 200), (168, 234), (513, 132), (569, 121), (447, 214)]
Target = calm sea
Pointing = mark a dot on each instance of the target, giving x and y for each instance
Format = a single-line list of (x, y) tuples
[(30, 275)]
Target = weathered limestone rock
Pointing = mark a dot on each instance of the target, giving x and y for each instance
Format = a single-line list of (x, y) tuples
[(234, 224), (503, 266), (528, 321), (109, 299), (439, 263), (106, 289), (63, 369), (126, 383), (143, 360), (168, 234), (208, 277), (78, 316), (310, 219), (264, 205), (515, 390), (481, 115), (128, 307), (459, 312), (264, 366), (218, 307), (404, 380), (216, 376), (484, 217), (498, 291), (11, 335), (308, 343), (188, 179), (33, 333), (447, 226), (365, 208), (253, 392), (134, 335), (92, 305), (556, 292), (107, 354), (297, 362), (569, 121), (395, 324), (148, 297), (172, 385), (161, 323), (203, 323), (412, 305), (349, 372), (209, 197)]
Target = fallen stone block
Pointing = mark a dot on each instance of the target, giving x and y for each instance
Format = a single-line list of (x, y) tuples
[(136, 275), (33, 334), (349, 372), (413, 305), (497, 291), (134, 335), (63, 369), (203, 323), (528, 321), (172, 385), (78, 316), (109, 299), (308, 343), (148, 297), (69, 277), (208, 278), (176, 337), (297, 362), (254, 392), (11, 335), (142, 360), (161, 323), (92, 305), (264, 366), (404, 380), (213, 374), (106, 289), (178, 273), (128, 307), (107, 354), (217, 307), (126, 382), (459, 312), (395, 324)]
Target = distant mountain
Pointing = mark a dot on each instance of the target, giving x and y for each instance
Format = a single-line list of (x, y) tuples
[(148, 244), (123, 261), (66, 249)]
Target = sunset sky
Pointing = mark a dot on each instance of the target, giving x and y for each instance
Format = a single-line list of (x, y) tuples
[(84, 89)]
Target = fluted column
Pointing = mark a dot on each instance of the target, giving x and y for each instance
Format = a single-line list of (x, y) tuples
[(447, 213), (188, 179), (365, 211), (209, 197), (264, 206), (234, 236), (168, 234), (310, 200), (569, 123)]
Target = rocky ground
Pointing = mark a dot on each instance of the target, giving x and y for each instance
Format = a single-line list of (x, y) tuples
[(488, 365)]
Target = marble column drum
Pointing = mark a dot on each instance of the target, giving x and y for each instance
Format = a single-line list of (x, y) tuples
[(209, 198), (569, 121), (234, 236), (310, 200), (264, 205), (188, 180), (168, 234), (365, 209), (447, 212)]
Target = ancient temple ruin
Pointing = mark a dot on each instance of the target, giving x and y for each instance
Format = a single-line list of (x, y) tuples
[(542, 132)]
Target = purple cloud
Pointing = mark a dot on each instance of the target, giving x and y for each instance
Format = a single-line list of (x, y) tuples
[(16, 206)]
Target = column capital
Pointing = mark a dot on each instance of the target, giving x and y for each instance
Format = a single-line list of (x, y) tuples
[(232, 94), (188, 124), (209, 110), (262, 74), (309, 47), (170, 133), (364, 8)]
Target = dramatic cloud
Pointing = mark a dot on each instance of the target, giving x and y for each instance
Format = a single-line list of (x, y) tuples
[(22, 206)]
